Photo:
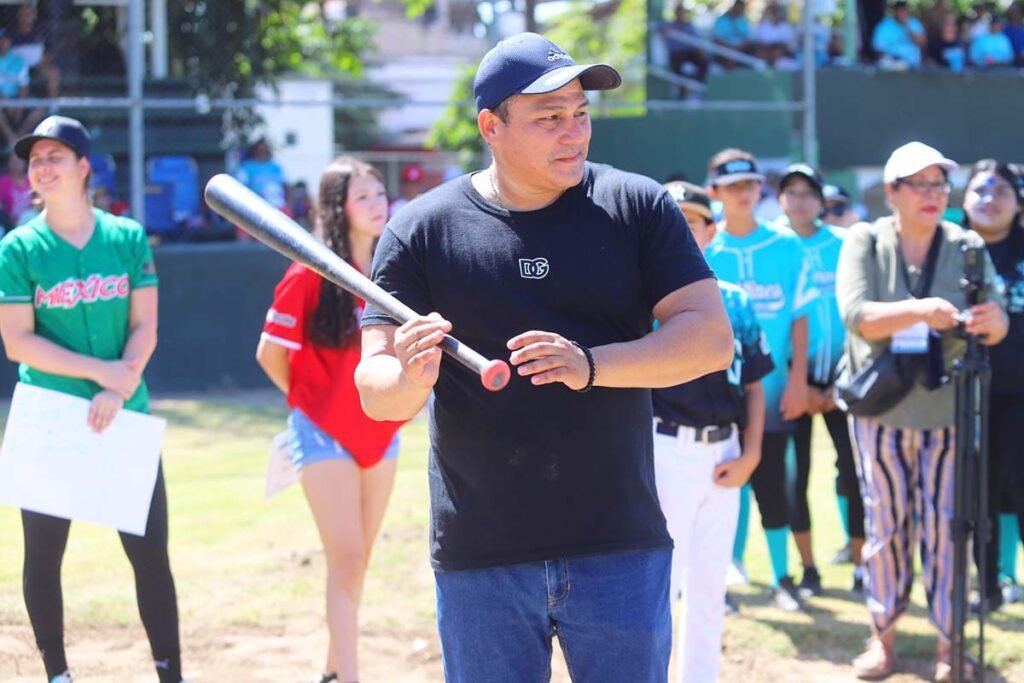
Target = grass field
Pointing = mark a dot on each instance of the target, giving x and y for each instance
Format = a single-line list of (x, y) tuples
[(249, 576)]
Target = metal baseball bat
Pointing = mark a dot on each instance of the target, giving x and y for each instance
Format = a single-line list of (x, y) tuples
[(246, 209)]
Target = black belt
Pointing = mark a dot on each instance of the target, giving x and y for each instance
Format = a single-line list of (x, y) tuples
[(710, 434)]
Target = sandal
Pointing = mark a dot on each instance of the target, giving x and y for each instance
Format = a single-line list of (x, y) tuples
[(876, 662)]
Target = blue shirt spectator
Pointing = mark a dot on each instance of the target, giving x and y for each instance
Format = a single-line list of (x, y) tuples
[(1015, 28), (900, 36), (13, 69), (992, 48), (732, 28), (263, 175)]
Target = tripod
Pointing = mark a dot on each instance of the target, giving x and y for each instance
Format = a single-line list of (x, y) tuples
[(971, 374)]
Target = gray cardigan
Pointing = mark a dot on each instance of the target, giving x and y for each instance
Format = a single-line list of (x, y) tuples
[(873, 274)]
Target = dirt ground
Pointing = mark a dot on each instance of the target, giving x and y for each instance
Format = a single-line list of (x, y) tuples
[(276, 652), (398, 641)]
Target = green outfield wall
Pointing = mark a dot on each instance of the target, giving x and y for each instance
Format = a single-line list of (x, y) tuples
[(862, 116)]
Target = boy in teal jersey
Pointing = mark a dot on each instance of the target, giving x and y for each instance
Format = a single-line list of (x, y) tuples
[(801, 192), (769, 264)]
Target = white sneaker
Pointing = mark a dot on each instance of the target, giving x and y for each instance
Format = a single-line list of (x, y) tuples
[(736, 574), (1012, 593), (62, 678)]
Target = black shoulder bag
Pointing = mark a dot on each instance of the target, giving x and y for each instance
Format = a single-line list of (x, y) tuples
[(890, 376)]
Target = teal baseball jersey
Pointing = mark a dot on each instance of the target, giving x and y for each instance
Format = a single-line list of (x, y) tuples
[(770, 265), (826, 332), (81, 297)]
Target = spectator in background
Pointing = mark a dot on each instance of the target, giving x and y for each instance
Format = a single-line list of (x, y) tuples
[(15, 189), (261, 174), (776, 38), (949, 50), (933, 17), (899, 38), (25, 37), (412, 186), (1014, 30), (733, 30), (992, 49), (300, 206), (835, 50), (839, 208), (684, 58), (768, 207), (964, 26), (982, 14), (13, 84)]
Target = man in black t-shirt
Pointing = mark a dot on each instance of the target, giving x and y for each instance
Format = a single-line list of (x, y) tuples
[(544, 513)]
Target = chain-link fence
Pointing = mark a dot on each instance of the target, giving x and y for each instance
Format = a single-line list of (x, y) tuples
[(160, 130)]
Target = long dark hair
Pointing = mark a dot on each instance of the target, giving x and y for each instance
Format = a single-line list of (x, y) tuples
[(1013, 174), (334, 323)]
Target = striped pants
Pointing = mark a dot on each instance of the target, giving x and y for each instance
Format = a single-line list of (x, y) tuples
[(906, 479)]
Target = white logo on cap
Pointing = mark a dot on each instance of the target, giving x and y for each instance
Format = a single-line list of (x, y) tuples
[(555, 55)]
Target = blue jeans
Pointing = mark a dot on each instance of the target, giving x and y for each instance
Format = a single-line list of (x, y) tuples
[(610, 612)]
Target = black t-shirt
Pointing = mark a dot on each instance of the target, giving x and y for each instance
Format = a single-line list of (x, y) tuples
[(533, 473), (1005, 357)]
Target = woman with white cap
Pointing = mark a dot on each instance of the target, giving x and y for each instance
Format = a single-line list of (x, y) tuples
[(898, 288)]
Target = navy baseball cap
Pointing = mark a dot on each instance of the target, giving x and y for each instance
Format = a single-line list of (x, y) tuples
[(808, 173), (834, 193), (734, 171), (530, 64), (689, 196), (63, 129)]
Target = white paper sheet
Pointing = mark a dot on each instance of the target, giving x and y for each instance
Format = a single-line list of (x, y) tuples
[(52, 462), (281, 471)]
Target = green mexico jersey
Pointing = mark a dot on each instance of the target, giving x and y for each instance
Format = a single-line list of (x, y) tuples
[(81, 297)]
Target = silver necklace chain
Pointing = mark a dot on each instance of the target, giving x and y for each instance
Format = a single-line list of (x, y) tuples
[(494, 189)]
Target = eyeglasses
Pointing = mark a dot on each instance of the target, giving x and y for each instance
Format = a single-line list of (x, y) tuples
[(921, 187)]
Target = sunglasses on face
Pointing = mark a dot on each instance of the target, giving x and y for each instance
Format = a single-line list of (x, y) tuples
[(836, 209)]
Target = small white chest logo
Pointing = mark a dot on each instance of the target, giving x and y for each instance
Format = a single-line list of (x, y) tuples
[(533, 268)]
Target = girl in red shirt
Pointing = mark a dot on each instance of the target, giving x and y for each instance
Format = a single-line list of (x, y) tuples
[(309, 349)]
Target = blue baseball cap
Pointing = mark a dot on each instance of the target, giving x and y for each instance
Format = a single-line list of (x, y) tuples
[(63, 129), (530, 64)]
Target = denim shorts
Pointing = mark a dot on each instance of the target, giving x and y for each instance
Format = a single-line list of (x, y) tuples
[(609, 612), (308, 444)]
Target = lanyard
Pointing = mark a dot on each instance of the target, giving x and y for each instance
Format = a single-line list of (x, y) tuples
[(928, 272)]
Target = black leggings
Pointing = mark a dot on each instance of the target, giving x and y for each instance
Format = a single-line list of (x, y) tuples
[(1005, 480), (847, 483), (45, 540), (769, 481)]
